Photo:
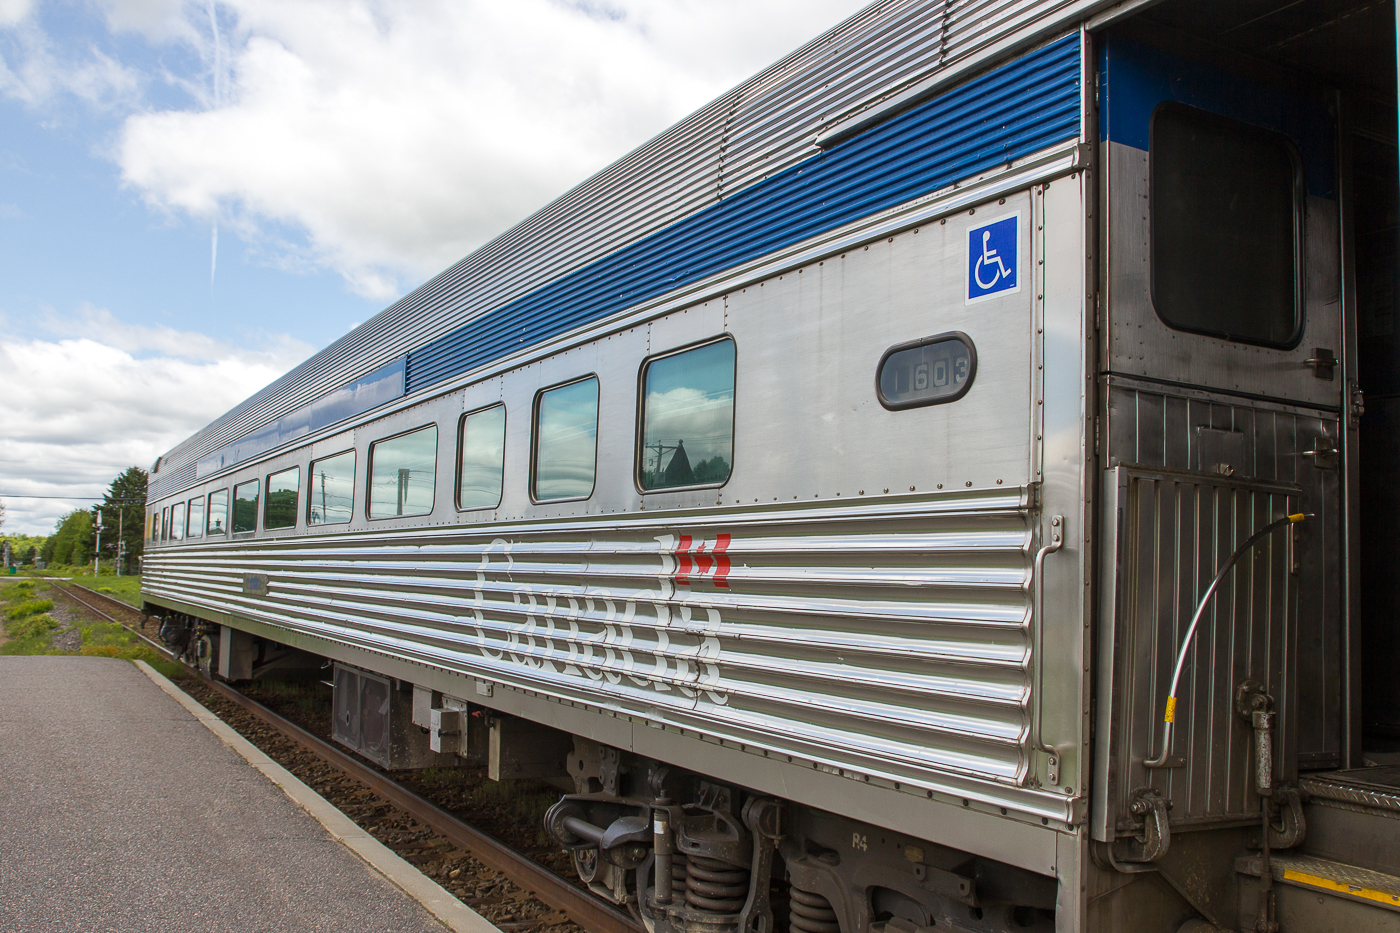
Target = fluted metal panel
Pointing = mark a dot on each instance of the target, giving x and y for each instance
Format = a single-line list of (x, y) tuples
[(1171, 533), (975, 24), (890, 639), (1153, 426)]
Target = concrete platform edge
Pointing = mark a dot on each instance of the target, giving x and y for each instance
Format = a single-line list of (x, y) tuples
[(451, 912)]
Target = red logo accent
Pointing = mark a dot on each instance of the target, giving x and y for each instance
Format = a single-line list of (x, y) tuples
[(708, 559)]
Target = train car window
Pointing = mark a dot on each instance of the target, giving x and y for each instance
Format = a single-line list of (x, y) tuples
[(332, 490), (688, 418), (218, 512), (150, 525), (1226, 227), (481, 458), (245, 506), (177, 521), (403, 472), (196, 518), (926, 372), (280, 506), (566, 441), (165, 523)]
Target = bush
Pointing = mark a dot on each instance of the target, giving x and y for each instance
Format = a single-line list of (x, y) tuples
[(31, 626), (28, 608)]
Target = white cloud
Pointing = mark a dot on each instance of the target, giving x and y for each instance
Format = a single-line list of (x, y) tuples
[(80, 409), (154, 19), (401, 136), (37, 72), (14, 11)]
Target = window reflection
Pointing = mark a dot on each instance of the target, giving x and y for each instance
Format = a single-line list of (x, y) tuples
[(566, 440), (332, 490), (688, 418), (196, 513), (281, 505), (245, 506), (218, 512), (483, 455), (403, 473), (177, 521)]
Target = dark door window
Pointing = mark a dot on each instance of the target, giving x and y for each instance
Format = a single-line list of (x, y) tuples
[(1226, 228)]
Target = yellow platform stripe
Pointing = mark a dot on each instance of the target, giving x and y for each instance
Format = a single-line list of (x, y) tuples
[(1327, 884)]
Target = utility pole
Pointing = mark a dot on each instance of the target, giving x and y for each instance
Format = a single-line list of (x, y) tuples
[(97, 548), (121, 542)]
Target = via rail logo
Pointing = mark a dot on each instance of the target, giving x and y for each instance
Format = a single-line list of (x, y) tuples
[(992, 254)]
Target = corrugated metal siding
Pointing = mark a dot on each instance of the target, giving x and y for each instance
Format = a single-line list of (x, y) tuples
[(762, 127), (1154, 427), (1177, 530), (975, 24), (888, 639), (1018, 109)]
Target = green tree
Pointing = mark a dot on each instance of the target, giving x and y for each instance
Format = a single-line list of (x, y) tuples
[(71, 542), (124, 510)]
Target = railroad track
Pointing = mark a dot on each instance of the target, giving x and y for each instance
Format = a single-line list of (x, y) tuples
[(549, 887)]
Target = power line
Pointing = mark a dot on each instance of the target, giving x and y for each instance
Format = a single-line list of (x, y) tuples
[(6, 495)]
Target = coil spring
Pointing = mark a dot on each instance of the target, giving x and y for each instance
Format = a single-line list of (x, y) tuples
[(714, 885), (678, 873), (811, 913)]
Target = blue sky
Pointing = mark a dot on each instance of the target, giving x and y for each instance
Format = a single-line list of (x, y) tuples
[(345, 150)]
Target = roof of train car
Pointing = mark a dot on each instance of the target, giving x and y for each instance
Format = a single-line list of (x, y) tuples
[(887, 52)]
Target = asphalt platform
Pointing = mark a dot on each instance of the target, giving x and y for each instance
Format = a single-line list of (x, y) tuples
[(119, 811)]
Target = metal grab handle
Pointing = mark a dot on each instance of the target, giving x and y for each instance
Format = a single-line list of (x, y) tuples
[(1170, 717), (1057, 541)]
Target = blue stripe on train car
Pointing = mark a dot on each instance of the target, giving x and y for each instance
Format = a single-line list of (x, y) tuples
[(1013, 111)]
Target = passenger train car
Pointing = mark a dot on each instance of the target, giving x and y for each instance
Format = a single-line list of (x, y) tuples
[(832, 496)]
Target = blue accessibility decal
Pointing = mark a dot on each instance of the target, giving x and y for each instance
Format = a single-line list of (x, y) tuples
[(991, 258)]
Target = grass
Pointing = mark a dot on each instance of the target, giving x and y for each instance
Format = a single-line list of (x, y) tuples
[(28, 607), (29, 629), (29, 635), (127, 589)]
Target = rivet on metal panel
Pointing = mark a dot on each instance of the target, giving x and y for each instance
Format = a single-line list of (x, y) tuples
[(998, 482), (886, 490), (911, 488), (971, 211), (1002, 201), (968, 483), (940, 486), (862, 492), (944, 220)]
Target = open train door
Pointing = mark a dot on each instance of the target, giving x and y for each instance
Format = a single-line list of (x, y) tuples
[(1249, 369), (1226, 397)]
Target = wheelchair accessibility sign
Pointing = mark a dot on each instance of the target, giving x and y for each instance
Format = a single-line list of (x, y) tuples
[(992, 267)]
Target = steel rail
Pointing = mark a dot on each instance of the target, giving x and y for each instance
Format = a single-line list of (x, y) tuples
[(554, 890)]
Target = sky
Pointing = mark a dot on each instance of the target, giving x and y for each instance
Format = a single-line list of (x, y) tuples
[(196, 196)]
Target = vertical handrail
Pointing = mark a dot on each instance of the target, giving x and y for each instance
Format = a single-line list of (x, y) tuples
[(1057, 541)]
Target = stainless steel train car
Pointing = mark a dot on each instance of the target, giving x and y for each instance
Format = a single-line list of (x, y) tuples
[(945, 483)]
